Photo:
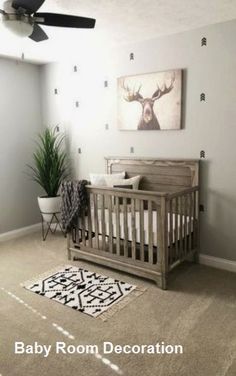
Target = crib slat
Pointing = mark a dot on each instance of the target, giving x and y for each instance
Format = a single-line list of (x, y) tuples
[(117, 208), (110, 224), (89, 224), (133, 229), (82, 221), (125, 227), (164, 250), (171, 231), (176, 229), (190, 221), (181, 226), (185, 223), (103, 223), (194, 218), (197, 220), (150, 233), (141, 229), (158, 231), (95, 200)]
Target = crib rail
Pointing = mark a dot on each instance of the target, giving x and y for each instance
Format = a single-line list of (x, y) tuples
[(115, 223), (183, 224), (142, 232)]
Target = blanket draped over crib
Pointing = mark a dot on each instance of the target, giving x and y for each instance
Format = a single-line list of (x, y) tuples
[(74, 202)]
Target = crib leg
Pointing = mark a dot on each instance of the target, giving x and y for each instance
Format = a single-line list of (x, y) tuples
[(162, 282)]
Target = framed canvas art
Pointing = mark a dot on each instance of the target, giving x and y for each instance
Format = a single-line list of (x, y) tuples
[(150, 101)]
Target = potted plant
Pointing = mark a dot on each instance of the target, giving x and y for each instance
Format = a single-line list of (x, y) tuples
[(49, 169)]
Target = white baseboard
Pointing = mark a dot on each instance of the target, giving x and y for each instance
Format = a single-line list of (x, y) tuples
[(19, 232), (216, 262)]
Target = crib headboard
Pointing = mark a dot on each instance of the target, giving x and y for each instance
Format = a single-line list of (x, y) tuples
[(160, 175)]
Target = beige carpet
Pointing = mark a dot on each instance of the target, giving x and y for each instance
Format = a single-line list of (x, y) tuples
[(198, 312)]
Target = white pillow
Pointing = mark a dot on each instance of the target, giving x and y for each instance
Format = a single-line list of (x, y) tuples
[(112, 180), (100, 179)]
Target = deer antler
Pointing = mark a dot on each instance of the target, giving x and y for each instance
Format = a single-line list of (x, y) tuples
[(164, 90), (131, 95)]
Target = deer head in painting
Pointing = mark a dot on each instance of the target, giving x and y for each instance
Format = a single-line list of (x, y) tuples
[(148, 120)]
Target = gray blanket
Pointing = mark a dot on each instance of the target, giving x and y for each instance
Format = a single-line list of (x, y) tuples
[(74, 202)]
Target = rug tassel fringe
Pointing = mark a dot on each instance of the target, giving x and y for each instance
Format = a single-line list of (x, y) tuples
[(122, 304)]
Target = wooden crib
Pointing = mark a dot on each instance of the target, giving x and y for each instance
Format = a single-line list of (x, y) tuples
[(146, 232)]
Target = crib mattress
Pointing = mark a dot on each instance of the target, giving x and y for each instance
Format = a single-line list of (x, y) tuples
[(176, 235)]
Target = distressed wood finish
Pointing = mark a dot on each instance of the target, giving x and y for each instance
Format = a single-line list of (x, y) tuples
[(171, 218), (103, 223), (117, 210), (133, 229), (125, 214), (141, 229), (177, 234), (113, 231), (83, 237), (158, 175), (89, 224), (94, 212), (110, 236), (150, 232)]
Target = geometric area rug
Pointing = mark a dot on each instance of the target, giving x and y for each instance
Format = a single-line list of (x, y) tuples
[(85, 291)]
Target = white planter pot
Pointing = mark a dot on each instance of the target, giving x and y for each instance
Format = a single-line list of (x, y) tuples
[(49, 206)]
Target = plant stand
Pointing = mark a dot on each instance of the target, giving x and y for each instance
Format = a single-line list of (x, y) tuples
[(48, 226)]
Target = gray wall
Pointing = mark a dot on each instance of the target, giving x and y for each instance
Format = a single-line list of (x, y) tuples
[(208, 126), (20, 111)]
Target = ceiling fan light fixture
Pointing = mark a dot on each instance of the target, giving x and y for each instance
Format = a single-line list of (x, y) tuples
[(18, 27), (21, 18)]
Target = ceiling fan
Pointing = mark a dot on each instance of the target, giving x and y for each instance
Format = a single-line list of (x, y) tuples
[(21, 17)]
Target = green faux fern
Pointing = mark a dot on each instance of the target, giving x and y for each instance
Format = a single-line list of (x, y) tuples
[(50, 165)]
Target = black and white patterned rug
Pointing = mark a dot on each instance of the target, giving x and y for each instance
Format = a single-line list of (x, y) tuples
[(84, 291)]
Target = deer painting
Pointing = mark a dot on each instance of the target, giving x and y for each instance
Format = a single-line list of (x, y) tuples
[(148, 119)]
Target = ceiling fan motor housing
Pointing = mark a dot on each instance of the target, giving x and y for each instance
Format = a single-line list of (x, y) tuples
[(17, 22)]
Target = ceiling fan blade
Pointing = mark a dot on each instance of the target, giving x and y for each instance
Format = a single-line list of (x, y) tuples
[(31, 6), (38, 34), (63, 20)]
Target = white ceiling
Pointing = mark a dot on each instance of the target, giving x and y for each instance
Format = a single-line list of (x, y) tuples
[(118, 22)]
